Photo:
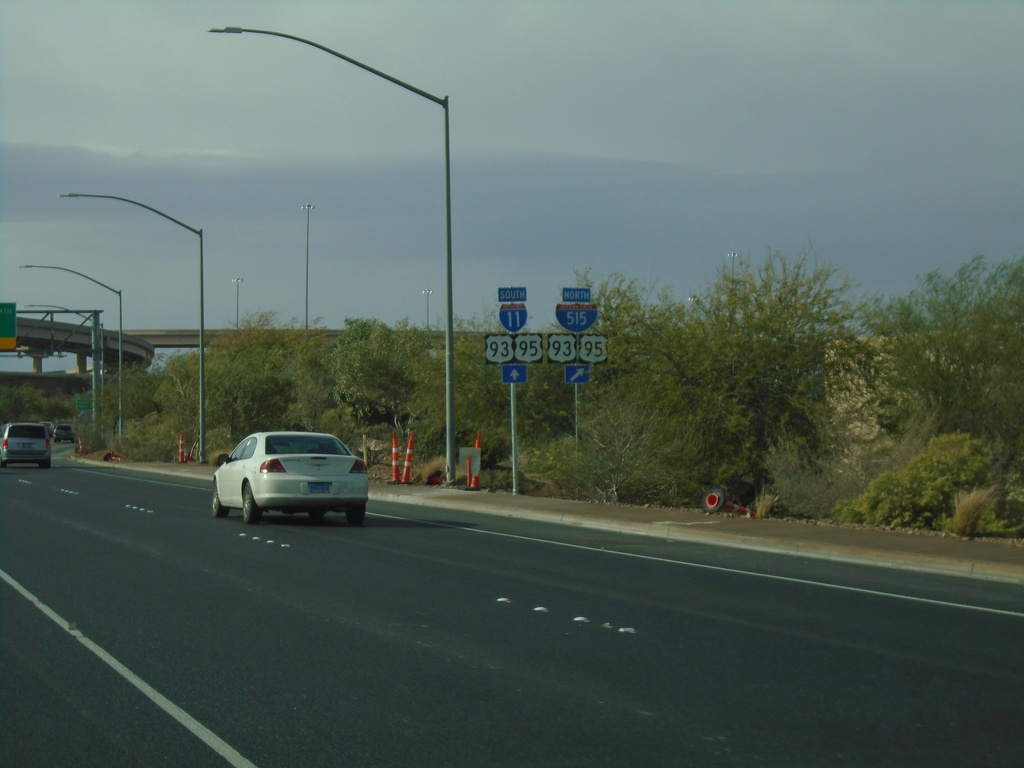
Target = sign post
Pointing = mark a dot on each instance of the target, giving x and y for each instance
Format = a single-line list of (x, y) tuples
[(576, 313), (512, 352)]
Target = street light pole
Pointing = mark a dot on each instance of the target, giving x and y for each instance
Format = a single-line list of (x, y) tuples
[(307, 208), (732, 256), (120, 335), (427, 292), (237, 281), (449, 336), (202, 308)]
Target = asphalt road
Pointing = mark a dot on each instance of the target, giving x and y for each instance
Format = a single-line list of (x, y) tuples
[(439, 638)]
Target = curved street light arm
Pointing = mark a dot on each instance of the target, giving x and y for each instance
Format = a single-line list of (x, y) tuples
[(238, 30), (141, 205), (72, 271)]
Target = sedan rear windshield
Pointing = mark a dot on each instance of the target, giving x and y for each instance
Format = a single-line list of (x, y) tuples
[(37, 431), (283, 444)]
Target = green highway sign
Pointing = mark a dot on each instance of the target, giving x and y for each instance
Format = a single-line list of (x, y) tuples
[(8, 326)]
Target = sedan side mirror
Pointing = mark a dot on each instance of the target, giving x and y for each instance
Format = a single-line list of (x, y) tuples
[(223, 459)]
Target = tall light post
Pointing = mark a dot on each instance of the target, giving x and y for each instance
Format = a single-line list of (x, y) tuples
[(449, 336), (202, 310), (237, 281), (427, 292), (307, 208), (732, 256), (120, 335)]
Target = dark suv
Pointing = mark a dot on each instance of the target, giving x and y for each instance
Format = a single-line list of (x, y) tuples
[(64, 433), (25, 443)]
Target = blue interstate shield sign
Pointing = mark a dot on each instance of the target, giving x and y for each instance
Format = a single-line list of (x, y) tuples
[(512, 316), (576, 317)]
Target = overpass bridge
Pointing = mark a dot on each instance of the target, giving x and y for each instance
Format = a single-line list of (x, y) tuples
[(188, 338), (43, 337)]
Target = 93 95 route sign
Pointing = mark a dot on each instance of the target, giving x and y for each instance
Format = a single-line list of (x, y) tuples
[(561, 347), (570, 348), (528, 348), (593, 348), (500, 349)]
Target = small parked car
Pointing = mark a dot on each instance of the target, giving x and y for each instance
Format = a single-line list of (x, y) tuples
[(64, 433), (24, 442), (291, 472)]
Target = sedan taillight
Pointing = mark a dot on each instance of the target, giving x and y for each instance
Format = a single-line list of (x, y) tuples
[(358, 468), (272, 465)]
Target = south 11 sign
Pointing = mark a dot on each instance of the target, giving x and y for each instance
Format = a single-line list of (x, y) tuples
[(512, 316), (512, 310)]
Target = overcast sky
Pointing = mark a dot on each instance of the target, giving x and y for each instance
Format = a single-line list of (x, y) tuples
[(647, 138)]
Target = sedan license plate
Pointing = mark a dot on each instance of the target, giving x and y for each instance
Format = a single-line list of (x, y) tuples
[(319, 487)]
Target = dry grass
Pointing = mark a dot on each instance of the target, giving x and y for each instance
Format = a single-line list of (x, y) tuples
[(765, 503), (969, 508)]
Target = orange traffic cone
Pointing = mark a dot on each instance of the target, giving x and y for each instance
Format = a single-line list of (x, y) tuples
[(715, 500), (473, 481), (394, 457), (407, 471)]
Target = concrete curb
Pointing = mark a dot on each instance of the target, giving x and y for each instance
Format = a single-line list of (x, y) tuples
[(707, 532)]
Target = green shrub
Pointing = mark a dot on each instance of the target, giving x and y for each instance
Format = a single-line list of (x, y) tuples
[(148, 439), (923, 493)]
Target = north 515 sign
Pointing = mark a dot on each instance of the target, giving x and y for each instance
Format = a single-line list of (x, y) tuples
[(577, 312)]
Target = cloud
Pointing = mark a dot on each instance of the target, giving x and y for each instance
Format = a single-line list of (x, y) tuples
[(649, 138)]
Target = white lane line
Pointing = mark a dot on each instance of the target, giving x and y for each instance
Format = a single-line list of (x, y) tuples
[(208, 737), (719, 568)]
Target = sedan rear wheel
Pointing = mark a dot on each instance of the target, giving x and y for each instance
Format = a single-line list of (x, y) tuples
[(355, 516), (219, 510), (251, 512)]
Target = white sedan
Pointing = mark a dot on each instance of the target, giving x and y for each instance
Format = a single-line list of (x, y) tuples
[(291, 472)]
